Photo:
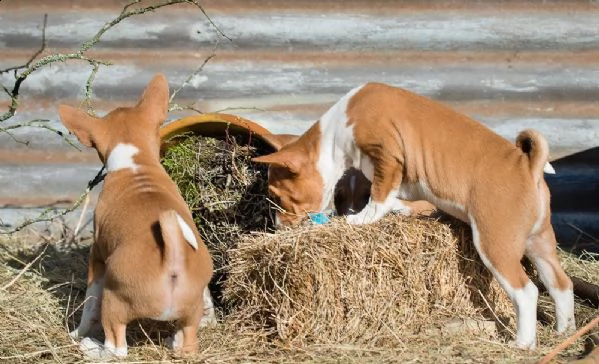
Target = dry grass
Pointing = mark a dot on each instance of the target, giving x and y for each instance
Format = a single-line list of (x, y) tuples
[(39, 301), (316, 294)]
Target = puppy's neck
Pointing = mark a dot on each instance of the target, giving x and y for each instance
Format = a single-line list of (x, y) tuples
[(129, 157), (331, 166), (122, 158)]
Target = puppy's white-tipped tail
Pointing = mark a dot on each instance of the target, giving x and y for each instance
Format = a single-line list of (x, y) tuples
[(174, 232), (534, 145)]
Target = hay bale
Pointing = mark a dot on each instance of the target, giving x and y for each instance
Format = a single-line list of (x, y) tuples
[(367, 285)]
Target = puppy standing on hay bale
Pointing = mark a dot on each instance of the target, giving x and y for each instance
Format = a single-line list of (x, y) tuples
[(413, 148), (148, 259)]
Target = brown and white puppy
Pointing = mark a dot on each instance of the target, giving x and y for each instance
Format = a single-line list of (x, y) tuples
[(148, 259), (413, 148)]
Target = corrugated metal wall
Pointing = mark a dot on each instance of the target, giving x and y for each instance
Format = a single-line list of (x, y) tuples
[(510, 64)]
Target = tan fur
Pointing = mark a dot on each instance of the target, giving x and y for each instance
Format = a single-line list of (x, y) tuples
[(477, 175), (138, 246), (296, 168)]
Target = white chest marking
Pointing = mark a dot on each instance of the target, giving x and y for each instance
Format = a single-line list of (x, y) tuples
[(187, 232), (121, 157), (336, 146)]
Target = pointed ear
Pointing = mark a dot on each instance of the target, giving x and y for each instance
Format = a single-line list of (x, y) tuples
[(278, 141), (154, 100), (79, 123), (290, 160)]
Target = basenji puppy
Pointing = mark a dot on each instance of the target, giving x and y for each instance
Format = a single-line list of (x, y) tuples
[(413, 148), (148, 259)]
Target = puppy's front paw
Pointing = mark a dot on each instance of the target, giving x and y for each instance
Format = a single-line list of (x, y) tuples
[(372, 212), (357, 219)]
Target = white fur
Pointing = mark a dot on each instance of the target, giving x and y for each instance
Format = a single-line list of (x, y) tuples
[(167, 315), (548, 168), (400, 208), (90, 319), (373, 210), (525, 302), (93, 349), (564, 309), (121, 157), (336, 144), (187, 232), (524, 299), (564, 299), (209, 318), (175, 342), (111, 351)]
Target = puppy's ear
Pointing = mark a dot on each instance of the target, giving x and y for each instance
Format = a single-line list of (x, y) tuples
[(293, 162), (84, 126), (278, 141), (154, 101)]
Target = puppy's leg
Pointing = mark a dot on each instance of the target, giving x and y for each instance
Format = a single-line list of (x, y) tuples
[(504, 262), (209, 317), (185, 339), (542, 252), (114, 322), (90, 319), (385, 172)]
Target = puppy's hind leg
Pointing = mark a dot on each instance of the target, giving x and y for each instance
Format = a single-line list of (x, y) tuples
[(504, 263), (185, 339), (541, 250), (90, 318)]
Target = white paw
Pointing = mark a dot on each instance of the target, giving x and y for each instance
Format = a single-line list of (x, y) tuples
[(400, 208), (209, 318), (358, 219), (91, 348), (523, 345), (75, 334), (567, 327), (174, 342), (372, 212)]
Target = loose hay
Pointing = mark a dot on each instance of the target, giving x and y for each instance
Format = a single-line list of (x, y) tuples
[(369, 285), (224, 190)]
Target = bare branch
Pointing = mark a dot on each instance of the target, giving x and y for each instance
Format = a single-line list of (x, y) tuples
[(32, 66), (188, 79), (35, 55)]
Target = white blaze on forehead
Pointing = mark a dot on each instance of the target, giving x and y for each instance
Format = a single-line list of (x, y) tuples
[(121, 157), (187, 232)]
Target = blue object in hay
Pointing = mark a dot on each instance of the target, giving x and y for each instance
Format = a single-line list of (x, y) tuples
[(318, 218)]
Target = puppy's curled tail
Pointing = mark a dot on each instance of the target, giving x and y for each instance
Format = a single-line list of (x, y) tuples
[(534, 145), (174, 232)]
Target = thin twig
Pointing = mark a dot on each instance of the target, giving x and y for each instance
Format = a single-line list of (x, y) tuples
[(569, 341), (191, 75), (25, 269), (495, 315), (35, 55)]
